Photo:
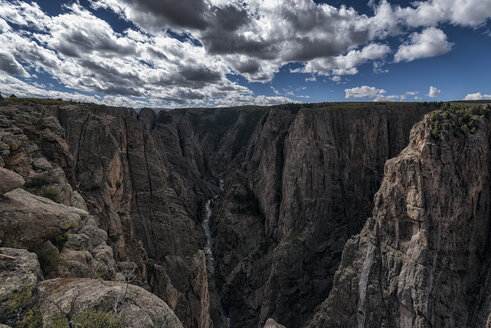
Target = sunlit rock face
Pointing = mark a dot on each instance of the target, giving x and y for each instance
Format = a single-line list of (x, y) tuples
[(422, 259)]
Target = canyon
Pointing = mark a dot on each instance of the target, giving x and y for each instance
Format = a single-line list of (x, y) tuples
[(297, 215)]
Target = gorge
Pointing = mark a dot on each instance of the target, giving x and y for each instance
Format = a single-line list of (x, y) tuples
[(310, 215)]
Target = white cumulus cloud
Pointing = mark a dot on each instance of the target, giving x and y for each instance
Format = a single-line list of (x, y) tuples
[(477, 96), (429, 43), (433, 92), (363, 92)]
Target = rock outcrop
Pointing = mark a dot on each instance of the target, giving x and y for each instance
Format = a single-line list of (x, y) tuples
[(306, 184), (50, 218), (19, 274), (423, 258), (27, 220), (19, 271), (9, 181), (85, 300)]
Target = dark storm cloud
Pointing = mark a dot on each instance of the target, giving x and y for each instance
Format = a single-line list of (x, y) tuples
[(251, 66), (111, 78), (296, 34), (120, 90), (201, 74), (230, 18), (156, 54), (191, 77), (176, 13), (77, 43), (10, 65)]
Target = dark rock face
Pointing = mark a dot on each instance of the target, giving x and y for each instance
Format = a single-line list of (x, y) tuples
[(147, 208), (423, 258), (309, 181)]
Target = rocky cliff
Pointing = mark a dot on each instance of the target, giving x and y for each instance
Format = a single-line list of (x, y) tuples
[(423, 258), (298, 181), (305, 186)]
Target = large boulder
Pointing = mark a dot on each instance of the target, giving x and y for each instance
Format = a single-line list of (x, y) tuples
[(19, 274), (76, 299), (9, 180), (19, 269), (27, 221)]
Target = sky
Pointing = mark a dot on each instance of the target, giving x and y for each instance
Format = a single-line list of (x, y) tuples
[(209, 53)]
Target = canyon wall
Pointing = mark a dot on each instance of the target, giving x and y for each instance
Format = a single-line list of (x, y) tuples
[(423, 257)]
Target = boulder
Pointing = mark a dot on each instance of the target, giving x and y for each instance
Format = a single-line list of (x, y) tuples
[(9, 180), (18, 270), (27, 221), (42, 164), (88, 298), (19, 274)]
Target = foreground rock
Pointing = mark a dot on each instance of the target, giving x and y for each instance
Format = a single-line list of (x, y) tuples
[(423, 260), (74, 300), (27, 220), (9, 180), (19, 274), (19, 270)]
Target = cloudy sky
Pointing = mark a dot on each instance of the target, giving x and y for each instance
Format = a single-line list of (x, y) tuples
[(172, 53)]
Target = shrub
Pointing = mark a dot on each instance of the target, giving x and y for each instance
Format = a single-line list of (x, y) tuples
[(17, 301), (461, 118), (32, 319), (89, 318), (16, 144), (39, 180), (51, 193), (48, 259), (98, 319), (60, 240), (20, 310)]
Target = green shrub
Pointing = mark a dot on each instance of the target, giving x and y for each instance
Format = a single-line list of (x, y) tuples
[(16, 144), (98, 319), (17, 301), (41, 124), (51, 193), (32, 319), (38, 181), (462, 119), (60, 240), (20, 310), (89, 318), (48, 259)]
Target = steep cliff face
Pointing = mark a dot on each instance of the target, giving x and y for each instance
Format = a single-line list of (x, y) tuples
[(423, 259), (308, 183), (42, 212), (143, 183)]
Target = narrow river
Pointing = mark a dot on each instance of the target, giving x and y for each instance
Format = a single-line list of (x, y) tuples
[(210, 260)]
